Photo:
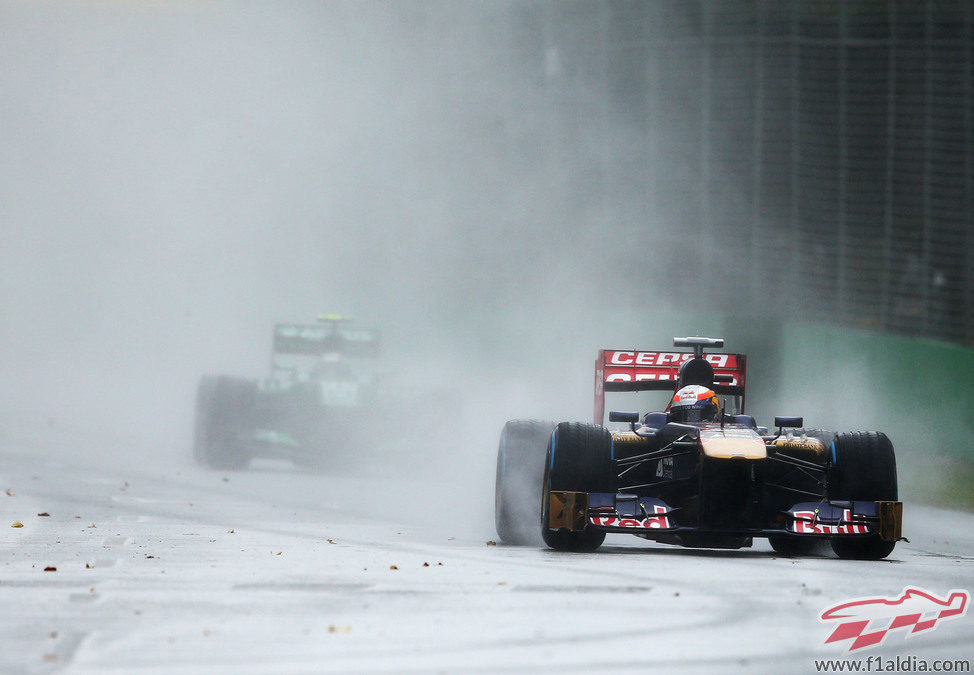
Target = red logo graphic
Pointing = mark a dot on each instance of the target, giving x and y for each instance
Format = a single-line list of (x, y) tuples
[(867, 621), (806, 522), (652, 523)]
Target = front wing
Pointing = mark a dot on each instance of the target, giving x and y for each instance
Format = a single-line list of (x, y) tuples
[(652, 518)]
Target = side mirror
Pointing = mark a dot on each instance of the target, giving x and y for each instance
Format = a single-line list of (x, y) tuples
[(788, 422), (618, 416)]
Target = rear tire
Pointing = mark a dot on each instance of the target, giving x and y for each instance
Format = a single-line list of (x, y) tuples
[(864, 469), (223, 409), (204, 417), (518, 485), (579, 459)]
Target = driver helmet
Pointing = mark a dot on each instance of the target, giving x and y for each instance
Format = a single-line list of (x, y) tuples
[(694, 403)]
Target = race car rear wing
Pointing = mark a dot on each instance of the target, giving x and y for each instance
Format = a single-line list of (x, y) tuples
[(621, 370), (332, 336)]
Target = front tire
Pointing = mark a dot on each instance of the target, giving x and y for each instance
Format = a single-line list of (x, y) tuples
[(579, 459), (864, 469), (518, 484)]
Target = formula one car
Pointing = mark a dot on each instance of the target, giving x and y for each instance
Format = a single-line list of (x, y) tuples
[(695, 474), (322, 387)]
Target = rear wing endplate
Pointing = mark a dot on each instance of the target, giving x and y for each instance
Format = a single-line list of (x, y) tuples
[(622, 370)]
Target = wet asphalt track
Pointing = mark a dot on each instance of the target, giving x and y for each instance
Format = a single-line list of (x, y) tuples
[(163, 567)]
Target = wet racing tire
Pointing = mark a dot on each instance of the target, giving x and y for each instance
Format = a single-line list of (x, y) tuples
[(204, 417), (579, 459), (864, 468), (517, 489), (223, 409)]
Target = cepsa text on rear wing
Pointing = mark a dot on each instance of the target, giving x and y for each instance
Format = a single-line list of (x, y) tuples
[(631, 370)]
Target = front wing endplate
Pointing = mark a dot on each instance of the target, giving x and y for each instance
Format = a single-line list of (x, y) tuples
[(567, 510), (890, 520)]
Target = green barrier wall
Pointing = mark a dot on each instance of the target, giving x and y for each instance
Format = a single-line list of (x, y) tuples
[(919, 391)]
